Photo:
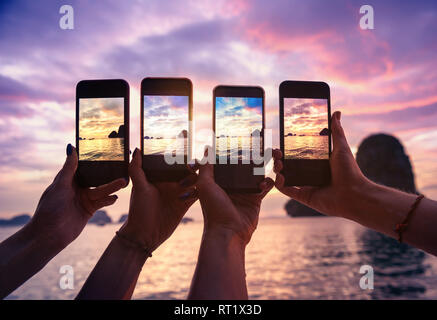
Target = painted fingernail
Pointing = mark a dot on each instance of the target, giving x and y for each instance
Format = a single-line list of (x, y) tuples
[(185, 182), (185, 196), (127, 180), (69, 149)]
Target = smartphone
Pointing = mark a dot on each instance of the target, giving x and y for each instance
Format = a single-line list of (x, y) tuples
[(305, 132), (238, 123), (102, 131), (166, 127)]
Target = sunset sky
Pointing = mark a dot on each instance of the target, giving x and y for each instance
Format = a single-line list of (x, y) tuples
[(100, 116), (305, 116), (238, 117), (165, 116), (383, 80)]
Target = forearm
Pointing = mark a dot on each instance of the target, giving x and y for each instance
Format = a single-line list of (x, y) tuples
[(115, 274), (220, 271), (381, 208), (21, 256)]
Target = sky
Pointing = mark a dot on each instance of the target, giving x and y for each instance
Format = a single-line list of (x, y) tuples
[(165, 116), (100, 116), (305, 116), (383, 80), (237, 116)]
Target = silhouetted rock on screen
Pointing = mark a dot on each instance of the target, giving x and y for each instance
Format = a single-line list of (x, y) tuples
[(19, 220), (100, 218), (324, 132), (119, 134), (183, 134), (382, 159)]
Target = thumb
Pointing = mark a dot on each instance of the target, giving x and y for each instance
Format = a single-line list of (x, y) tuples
[(70, 166), (206, 169), (136, 171), (338, 137)]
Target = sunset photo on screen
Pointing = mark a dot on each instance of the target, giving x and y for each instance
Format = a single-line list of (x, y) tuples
[(166, 124), (237, 122), (101, 129), (306, 134)]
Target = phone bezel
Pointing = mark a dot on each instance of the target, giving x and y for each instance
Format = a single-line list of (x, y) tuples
[(243, 170), (301, 167), (167, 86), (99, 172)]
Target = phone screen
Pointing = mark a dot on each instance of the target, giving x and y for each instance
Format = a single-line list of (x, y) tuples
[(306, 133), (166, 125), (238, 123), (101, 129)]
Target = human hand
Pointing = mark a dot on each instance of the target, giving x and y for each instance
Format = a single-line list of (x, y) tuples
[(155, 210), (347, 180), (65, 208), (235, 212)]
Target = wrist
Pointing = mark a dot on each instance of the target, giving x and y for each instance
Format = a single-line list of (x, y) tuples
[(224, 236), (355, 196), (136, 236)]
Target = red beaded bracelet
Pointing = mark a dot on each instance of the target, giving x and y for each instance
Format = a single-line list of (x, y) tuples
[(401, 227)]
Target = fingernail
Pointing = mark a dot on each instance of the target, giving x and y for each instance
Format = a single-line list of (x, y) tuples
[(69, 149), (185, 196), (116, 197), (339, 115), (127, 180), (185, 182)]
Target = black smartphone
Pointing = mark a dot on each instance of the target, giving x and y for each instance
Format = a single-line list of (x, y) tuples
[(305, 137), (166, 127), (238, 123), (102, 131)]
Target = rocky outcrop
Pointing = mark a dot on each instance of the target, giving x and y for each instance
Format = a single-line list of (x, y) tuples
[(183, 134), (382, 159), (119, 134), (100, 218), (123, 218), (18, 220), (187, 220), (324, 132)]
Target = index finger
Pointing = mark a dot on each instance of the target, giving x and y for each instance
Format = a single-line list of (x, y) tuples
[(107, 189)]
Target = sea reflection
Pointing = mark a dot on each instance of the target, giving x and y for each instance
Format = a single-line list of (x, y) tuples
[(287, 258), (397, 266)]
